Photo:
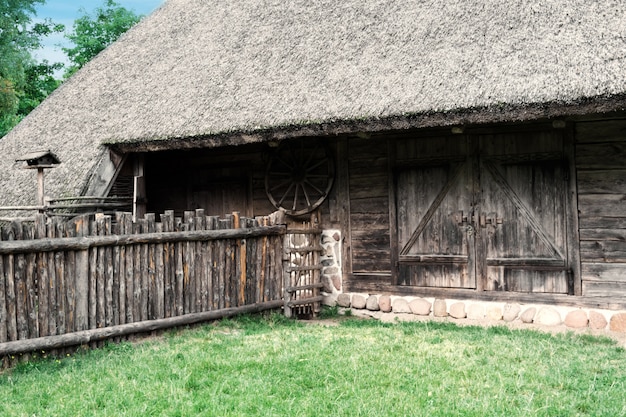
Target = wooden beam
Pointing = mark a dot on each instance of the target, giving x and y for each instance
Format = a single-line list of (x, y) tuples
[(40, 186), (87, 336), (83, 243), (139, 188)]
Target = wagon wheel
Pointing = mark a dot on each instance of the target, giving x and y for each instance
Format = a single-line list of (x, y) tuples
[(299, 176)]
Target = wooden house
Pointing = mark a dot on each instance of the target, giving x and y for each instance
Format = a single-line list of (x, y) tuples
[(461, 149)]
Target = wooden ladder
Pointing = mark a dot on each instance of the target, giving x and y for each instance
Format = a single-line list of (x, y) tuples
[(302, 272)]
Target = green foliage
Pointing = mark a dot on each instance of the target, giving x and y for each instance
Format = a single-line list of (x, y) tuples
[(93, 33), (329, 312), (40, 82), (23, 83)]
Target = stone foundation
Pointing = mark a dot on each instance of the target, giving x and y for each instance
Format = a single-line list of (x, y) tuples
[(491, 312), (331, 265)]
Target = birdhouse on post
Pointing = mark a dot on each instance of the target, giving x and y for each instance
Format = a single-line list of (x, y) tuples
[(40, 161)]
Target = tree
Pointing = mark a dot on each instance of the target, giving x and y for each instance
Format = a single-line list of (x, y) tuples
[(93, 33), (18, 37), (24, 83)]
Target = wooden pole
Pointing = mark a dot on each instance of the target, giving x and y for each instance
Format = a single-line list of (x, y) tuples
[(40, 188), (139, 188), (87, 336), (84, 243)]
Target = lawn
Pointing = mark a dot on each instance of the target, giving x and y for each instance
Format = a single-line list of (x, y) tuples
[(271, 366)]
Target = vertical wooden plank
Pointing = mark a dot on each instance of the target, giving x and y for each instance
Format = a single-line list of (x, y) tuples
[(9, 266), (240, 261), (263, 264), (189, 266), (139, 187), (129, 271), (230, 283), (477, 241), (115, 271), (59, 260), (144, 272), (119, 279), (392, 146), (110, 303), (100, 276), (70, 281), (317, 241), (179, 273), (52, 282), (206, 269), (160, 277), (214, 297), (286, 275), (200, 265), (20, 287), (3, 306), (221, 266), (43, 286), (252, 277), (31, 284), (276, 270), (151, 270), (571, 216), (81, 226), (93, 279), (133, 274), (167, 220)]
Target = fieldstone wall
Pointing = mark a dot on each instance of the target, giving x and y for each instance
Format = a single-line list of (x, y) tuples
[(331, 265), (535, 314)]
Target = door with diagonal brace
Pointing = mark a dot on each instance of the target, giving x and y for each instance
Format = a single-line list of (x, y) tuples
[(490, 214)]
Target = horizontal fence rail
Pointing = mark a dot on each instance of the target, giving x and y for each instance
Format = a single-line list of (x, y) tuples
[(59, 278)]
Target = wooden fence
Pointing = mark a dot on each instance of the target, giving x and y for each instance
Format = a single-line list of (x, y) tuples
[(72, 282)]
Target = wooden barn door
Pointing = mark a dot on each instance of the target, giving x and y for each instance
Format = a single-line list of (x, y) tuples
[(435, 193), (491, 219), (521, 215)]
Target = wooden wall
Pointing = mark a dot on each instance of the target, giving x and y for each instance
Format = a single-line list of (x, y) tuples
[(601, 173), (599, 190), (360, 202), (369, 205), (221, 180), (216, 180)]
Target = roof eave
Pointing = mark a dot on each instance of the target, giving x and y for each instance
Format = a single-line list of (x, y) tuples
[(503, 113)]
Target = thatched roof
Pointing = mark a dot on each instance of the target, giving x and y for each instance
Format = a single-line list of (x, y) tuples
[(199, 72)]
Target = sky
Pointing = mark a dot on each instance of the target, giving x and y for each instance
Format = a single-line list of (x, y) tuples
[(66, 11)]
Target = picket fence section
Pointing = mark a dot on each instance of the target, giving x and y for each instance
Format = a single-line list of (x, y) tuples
[(62, 277)]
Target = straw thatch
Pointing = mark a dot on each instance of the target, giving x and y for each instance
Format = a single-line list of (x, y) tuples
[(208, 73)]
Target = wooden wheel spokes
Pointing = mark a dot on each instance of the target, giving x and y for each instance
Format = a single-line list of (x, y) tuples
[(299, 176)]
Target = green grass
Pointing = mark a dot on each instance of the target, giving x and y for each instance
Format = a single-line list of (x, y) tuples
[(271, 366)]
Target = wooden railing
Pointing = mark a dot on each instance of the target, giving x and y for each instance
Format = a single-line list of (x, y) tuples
[(64, 283), (67, 207)]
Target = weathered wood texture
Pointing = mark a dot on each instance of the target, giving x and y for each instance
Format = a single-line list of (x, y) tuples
[(482, 211), (601, 173), (217, 180), (302, 270), (63, 277), (433, 194), (369, 243)]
